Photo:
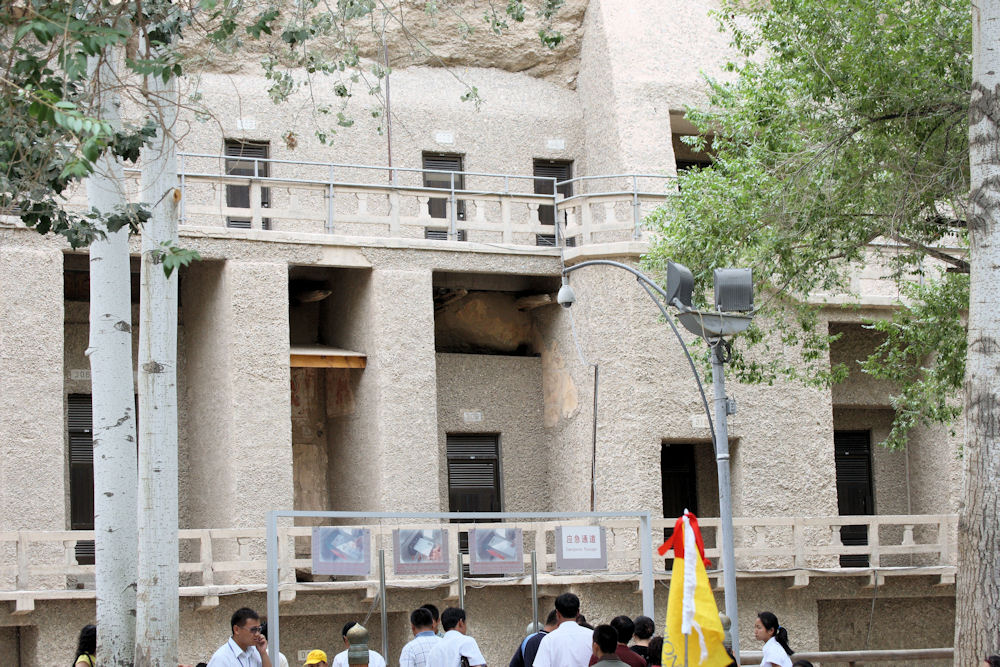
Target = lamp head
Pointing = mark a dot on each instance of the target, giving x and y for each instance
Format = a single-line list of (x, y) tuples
[(733, 290), (680, 285)]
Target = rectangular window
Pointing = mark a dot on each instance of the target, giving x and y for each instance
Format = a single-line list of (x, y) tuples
[(473, 473), (560, 170), (441, 162), (247, 158), (81, 472), (855, 491)]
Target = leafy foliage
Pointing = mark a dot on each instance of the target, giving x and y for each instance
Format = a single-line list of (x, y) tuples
[(842, 124), (51, 130)]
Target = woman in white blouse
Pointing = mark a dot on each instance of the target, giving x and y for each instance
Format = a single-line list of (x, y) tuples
[(776, 651)]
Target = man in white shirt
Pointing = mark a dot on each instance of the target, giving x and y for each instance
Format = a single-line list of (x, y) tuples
[(456, 644), (340, 660), (415, 653), (570, 644), (247, 647)]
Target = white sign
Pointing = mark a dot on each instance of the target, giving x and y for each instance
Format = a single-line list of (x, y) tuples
[(581, 542), (246, 124), (79, 374), (472, 416), (699, 420), (581, 548), (556, 144), (444, 137)]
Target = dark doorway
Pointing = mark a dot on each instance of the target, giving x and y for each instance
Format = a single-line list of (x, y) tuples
[(560, 170), (855, 494), (247, 158), (678, 482), (473, 473), (436, 164), (473, 477)]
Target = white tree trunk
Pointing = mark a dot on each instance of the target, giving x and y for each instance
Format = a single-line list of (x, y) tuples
[(157, 599), (977, 590), (112, 389)]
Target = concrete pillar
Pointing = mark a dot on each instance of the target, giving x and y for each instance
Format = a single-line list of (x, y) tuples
[(631, 78), (240, 452), (402, 365), (261, 446), (32, 433)]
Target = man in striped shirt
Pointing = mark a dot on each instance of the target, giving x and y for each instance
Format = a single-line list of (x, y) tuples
[(415, 653)]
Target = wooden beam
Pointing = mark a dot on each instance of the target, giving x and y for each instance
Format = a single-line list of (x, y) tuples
[(326, 361)]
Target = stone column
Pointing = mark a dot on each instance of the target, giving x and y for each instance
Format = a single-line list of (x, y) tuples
[(401, 364), (240, 451), (261, 446), (32, 413)]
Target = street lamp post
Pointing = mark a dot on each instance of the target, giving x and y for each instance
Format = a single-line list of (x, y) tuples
[(734, 306)]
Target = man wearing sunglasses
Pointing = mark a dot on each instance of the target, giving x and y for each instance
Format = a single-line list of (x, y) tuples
[(247, 647)]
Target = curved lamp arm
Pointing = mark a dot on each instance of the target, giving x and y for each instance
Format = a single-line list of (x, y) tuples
[(650, 286)]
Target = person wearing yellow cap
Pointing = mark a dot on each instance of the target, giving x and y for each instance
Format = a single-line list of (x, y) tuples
[(316, 657)]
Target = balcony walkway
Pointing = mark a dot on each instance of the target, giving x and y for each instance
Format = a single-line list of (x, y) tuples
[(42, 565)]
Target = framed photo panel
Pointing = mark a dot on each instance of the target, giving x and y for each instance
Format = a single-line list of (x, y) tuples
[(496, 551), (337, 550), (420, 551)]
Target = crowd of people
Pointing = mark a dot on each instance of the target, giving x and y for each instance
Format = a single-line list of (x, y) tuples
[(443, 640)]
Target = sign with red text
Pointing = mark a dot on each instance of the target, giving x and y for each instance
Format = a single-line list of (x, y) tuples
[(581, 548)]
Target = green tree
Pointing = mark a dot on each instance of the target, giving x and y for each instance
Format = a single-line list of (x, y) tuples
[(841, 137), (67, 66)]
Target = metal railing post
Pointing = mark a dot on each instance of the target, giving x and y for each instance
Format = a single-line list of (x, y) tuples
[(555, 211), (329, 202), (461, 581), (180, 169), (381, 594), (273, 549), (534, 590), (646, 561), (635, 207), (452, 232)]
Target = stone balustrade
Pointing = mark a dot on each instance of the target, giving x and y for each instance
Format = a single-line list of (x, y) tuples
[(43, 565)]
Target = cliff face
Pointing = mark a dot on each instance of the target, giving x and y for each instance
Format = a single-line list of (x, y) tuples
[(441, 33)]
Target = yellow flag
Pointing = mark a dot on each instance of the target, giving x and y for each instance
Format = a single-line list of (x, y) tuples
[(692, 615)]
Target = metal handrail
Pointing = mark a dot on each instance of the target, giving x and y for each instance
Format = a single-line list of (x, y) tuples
[(854, 657), (367, 166)]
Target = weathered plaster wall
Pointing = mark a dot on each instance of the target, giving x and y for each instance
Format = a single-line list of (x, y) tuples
[(860, 388), (390, 439), (31, 386), (484, 321), (630, 80), (923, 622), (508, 392), (206, 295), (238, 396), (262, 445)]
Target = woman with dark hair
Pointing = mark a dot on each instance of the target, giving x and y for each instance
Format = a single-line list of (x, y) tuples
[(776, 650), (655, 656), (992, 661), (86, 647)]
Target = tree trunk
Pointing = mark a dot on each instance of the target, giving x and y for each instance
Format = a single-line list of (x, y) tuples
[(112, 389), (977, 590), (157, 598)]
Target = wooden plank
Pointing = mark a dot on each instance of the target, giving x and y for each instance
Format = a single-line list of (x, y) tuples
[(325, 361)]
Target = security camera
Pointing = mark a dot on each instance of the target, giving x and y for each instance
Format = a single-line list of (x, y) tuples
[(566, 297)]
